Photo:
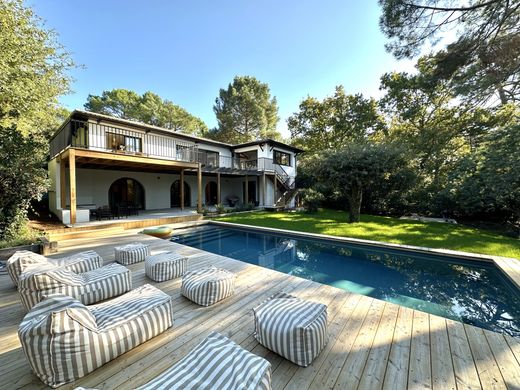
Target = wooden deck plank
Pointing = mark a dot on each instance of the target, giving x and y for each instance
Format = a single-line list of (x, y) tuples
[(505, 358), (487, 368), (465, 371), (443, 374), (350, 374), (419, 376), (372, 344), (374, 374), (396, 375)]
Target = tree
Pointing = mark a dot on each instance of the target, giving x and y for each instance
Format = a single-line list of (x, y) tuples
[(483, 59), (148, 108), (437, 130), (488, 181), (353, 169), (334, 122), (245, 111), (33, 74)]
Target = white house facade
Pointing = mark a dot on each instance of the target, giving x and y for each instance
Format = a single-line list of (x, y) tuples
[(101, 162)]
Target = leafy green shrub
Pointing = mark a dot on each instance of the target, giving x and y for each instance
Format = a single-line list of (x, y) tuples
[(312, 199)]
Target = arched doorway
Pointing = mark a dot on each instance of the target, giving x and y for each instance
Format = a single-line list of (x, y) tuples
[(211, 193), (175, 194), (126, 192)]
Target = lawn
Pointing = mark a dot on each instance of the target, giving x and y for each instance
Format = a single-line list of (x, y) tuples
[(386, 229)]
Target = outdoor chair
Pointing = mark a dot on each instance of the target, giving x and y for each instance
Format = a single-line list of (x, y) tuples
[(104, 212), (106, 282), (216, 363), (65, 340), (79, 262)]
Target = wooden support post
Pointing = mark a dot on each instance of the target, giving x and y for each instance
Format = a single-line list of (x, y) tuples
[(182, 189), (199, 189), (72, 185), (63, 187), (218, 188), (274, 190), (246, 199), (264, 190)]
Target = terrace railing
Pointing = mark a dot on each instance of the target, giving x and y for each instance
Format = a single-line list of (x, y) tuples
[(94, 136)]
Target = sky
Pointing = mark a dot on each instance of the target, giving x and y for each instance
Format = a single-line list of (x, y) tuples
[(186, 51)]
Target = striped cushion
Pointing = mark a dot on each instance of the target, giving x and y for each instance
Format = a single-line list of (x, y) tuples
[(106, 282), (65, 340), (165, 266), (79, 262), (208, 285), (216, 363), (293, 328), (131, 253)]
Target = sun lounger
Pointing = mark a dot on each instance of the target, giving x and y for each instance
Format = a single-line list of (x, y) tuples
[(106, 282), (216, 363), (65, 340)]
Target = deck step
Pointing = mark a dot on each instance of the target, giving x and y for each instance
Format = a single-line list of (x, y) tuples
[(85, 233)]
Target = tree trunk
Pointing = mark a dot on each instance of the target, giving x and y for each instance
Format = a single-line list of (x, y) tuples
[(354, 204)]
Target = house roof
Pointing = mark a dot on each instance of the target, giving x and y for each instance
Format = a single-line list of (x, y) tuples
[(269, 141)]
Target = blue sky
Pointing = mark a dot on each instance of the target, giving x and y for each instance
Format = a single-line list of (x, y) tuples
[(186, 51)]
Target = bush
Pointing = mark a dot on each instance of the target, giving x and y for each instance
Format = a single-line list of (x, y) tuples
[(312, 200)]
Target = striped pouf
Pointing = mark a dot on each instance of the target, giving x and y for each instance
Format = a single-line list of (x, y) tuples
[(79, 262), (65, 340), (216, 363), (106, 282), (291, 327), (208, 285), (165, 266), (131, 253)]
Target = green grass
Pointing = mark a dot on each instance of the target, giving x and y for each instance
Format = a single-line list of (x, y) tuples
[(386, 229)]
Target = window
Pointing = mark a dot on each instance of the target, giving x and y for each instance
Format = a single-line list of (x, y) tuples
[(123, 143), (282, 158), (208, 158)]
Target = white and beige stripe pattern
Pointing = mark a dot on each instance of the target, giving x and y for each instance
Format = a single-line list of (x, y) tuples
[(79, 262), (293, 328), (90, 287), (165, 266), (65, 340), (216, 363), (131, 253), (207, 286)]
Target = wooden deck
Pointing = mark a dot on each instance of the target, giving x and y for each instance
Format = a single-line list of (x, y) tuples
[(372, 344)]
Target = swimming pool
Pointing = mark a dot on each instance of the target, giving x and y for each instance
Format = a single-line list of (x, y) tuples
[(474, 292)]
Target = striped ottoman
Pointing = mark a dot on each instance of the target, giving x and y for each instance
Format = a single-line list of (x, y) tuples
[(131, 253), (291, 327), (216, 363), (208, 285), (165, 266)]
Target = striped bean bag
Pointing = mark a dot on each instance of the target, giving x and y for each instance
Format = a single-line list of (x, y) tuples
[(207, 286), (64, 340), (165, 266), (292, 327), (131, 253), (216, 363), (90, 287), (79, 262)]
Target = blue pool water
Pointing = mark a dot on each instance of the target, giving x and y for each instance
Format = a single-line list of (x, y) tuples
[(472, 292)]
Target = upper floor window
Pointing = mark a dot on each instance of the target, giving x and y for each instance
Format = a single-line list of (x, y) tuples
[(208, 158), (124, 143), (282, 158)]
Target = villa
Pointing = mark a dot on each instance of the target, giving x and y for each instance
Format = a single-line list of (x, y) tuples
[(98, 160)]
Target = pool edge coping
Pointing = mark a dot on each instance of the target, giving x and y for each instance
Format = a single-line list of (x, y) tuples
[(510, 267)]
